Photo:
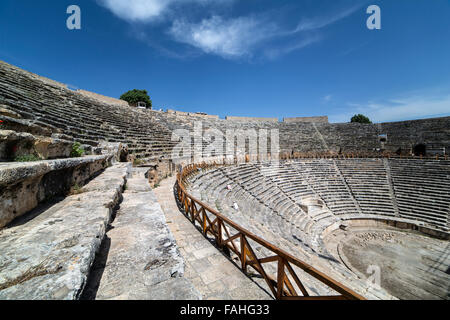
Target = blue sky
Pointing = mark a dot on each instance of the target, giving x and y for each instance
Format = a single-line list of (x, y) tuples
[(244, 57)]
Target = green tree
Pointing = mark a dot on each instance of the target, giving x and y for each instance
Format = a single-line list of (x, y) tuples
[(134, 96), (360, 118)]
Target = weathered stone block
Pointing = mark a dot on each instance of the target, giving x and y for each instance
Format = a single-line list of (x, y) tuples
[(24, 185), (49, 257)]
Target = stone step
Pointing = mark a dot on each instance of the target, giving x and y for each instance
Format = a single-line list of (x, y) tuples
[(140, 259), (26, 184), (47, 254)]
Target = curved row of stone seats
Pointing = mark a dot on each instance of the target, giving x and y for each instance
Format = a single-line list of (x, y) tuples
[(213, 187), (260, 219), (24, 185), (422, 190), (269, 216), (47, 254), (326, 181), (86, 120), (251, 214), (274, 208), (360, 188), (298, 137), (369, 183), (149, 132), (288, 207), (413, 189), (288, 180)]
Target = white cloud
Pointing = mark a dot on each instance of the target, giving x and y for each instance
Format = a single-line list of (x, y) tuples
[(137, 10), (327, 98), (149, 10), (242, 36), (399, 109), (227, 38), (323, 21), (277, 51)]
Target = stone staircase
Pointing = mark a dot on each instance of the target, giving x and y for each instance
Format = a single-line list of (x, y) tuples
[(48, 253), (140, 259)]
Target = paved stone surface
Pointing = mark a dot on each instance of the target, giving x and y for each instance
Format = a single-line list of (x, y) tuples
[(212, 273), (411, 266), (24, 185), (139, 259), (48, 253)]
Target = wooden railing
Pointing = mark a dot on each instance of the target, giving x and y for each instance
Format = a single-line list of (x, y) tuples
[(230, 236)]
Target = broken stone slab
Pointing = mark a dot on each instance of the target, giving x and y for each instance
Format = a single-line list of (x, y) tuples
[(142, 258), (14, 144), (19, 171), (118, 149), (24, 185), (22, 125), (49, 256)]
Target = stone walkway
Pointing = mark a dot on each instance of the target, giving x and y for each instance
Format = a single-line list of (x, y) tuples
[(139, 259), (46, 254), (214, 275)]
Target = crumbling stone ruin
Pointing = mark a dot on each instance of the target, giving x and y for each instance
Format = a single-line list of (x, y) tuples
[(79, 218)]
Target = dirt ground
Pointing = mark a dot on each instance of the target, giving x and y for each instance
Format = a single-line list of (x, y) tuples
[(407, 264)]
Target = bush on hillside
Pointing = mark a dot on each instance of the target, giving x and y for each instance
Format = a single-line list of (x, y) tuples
[(134, 96), (360, 119)]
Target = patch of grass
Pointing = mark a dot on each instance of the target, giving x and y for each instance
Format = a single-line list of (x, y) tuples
[(27, 158), (76, 189), (36, 271), (77, 150), (137, 162)]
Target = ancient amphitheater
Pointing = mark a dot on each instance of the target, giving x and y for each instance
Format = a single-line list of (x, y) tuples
[(344, 211)]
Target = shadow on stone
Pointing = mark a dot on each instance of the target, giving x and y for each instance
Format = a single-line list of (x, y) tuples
[(97, 269), (36, 212)]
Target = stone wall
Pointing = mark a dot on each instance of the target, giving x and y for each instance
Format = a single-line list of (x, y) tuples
[(322, 119), (251, 119), (192, 114), (405, 135), (158, 171)]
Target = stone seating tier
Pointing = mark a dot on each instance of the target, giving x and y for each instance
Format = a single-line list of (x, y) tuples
[(90, 121), (375, 195)]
